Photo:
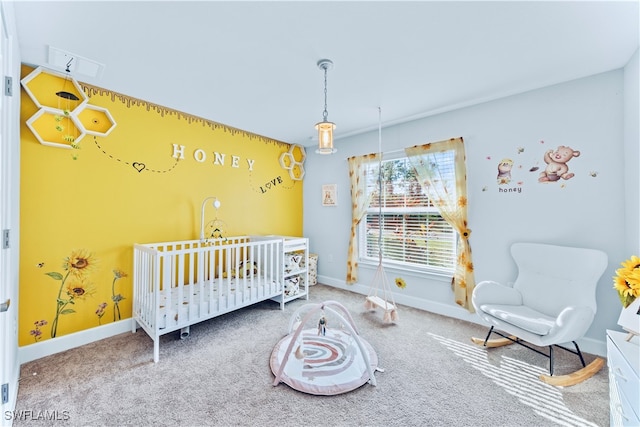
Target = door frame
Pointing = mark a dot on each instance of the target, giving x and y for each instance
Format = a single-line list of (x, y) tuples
[(9, 208)]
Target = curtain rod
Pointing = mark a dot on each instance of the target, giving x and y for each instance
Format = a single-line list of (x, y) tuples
[(393, 151), (403, 149), (400, 150)]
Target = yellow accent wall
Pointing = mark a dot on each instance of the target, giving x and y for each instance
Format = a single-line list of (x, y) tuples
[(81, 210)]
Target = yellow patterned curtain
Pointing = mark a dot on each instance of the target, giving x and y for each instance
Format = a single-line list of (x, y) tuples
[(360, 200), (451, 200)]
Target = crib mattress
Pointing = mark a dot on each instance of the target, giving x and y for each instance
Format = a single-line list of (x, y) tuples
[(200, 302)]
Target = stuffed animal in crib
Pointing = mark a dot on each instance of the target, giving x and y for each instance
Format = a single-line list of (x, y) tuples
[(248, 269), (291, 285), (245, 269)]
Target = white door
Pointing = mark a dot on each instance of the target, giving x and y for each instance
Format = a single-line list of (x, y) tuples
[(9, 214)]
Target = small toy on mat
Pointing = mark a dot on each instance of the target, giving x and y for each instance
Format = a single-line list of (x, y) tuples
[(322, 326)]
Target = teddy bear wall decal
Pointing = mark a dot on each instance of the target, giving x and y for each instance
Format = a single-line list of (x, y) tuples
[(557, 164), (511, 179), (504, 171)]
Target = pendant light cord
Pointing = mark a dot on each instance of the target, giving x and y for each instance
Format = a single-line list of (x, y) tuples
[(325, 113)]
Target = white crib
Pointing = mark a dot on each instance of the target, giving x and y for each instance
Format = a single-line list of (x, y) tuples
[(178, 284)]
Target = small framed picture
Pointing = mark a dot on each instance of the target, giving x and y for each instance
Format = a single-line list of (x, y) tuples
[(630, 319), (329, 195)]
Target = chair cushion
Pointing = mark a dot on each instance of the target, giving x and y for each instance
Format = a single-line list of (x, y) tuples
[(522, 317)]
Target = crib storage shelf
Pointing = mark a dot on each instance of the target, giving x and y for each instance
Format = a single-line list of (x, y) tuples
[(295, 268)]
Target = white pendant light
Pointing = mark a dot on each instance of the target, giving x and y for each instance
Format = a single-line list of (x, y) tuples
[(325, 127)]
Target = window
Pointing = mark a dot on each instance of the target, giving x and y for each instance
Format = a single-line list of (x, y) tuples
[(404, 221)]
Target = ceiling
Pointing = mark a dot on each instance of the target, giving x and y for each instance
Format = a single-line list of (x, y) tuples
[(253, 65)]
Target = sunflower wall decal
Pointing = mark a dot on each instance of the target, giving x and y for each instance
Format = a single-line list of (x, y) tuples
[(75, 286), (400, 283), (74, 282)]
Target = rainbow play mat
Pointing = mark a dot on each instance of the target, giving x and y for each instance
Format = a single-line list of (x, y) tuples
[(323, 353)]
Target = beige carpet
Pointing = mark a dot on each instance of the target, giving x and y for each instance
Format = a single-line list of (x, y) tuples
[(220, 376)]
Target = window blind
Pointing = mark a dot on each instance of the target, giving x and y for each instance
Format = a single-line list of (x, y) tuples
[(403, 220)]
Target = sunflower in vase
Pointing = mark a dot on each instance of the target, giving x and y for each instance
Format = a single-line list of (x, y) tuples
[(627, 281)]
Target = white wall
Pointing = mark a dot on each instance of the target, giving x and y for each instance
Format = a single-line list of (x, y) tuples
[(586, 211), (632, 154)]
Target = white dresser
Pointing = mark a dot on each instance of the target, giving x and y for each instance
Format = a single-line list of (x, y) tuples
[(623, 359)]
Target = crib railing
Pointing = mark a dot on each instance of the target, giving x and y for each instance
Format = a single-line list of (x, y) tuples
[(202, 279)]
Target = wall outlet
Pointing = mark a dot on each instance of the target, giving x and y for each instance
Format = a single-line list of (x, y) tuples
[(5, 393), (330, 258)]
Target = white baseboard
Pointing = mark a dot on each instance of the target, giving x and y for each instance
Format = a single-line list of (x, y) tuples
[(587, 345), (455, 312), (66, 342), (41, 349), (593, 346)]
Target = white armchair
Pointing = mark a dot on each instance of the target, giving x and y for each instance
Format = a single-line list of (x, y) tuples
[(551, 302)]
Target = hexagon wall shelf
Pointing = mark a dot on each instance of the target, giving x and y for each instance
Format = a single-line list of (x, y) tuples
[(55, 129), (297, 172), (96, 120), (298, 153), (293, 161), (54, 90), (64, 115), (286, 161)]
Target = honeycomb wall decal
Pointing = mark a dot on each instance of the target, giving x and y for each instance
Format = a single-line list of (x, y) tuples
[(55, 128), (293, 161), (96, 120), (64, 115), (54, 90)]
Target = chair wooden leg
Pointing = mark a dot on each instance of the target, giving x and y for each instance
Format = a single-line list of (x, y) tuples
[(575, 377)]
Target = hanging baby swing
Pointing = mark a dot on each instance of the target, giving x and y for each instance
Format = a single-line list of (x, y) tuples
[(380, 283)]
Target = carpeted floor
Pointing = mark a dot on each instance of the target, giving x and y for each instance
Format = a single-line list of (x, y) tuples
[(220, 376)]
